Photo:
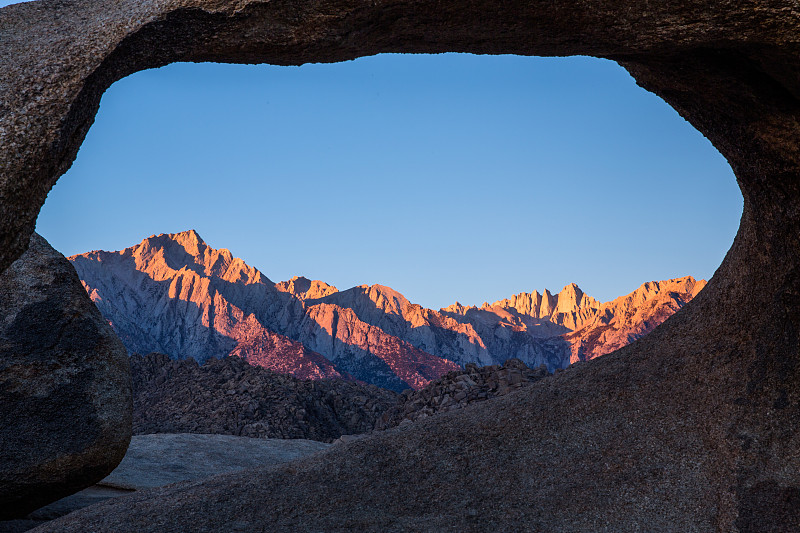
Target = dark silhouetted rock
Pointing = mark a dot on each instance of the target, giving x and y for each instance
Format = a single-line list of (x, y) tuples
[(694, 427), (229, 396), (65, 393)]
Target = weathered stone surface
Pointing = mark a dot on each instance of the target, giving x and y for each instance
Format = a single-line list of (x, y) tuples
[(158, 460), (695, 427), (65, 394), (73, 502), (18, 525)]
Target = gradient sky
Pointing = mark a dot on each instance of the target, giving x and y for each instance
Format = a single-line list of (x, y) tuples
[(449, 177)]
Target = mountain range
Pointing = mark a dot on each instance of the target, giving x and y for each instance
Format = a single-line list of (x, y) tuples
[(174, 294)]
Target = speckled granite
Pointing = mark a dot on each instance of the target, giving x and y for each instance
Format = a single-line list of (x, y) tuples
[(65, 384)]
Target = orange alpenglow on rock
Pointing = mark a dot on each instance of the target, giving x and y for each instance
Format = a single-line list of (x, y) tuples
[(174, 294)]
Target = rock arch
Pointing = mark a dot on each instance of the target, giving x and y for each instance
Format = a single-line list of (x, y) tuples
[(697, 426)]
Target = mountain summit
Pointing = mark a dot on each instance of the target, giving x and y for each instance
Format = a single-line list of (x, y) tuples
[(173, 293)]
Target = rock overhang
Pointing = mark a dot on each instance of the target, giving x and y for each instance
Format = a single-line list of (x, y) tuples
[(61, 55)]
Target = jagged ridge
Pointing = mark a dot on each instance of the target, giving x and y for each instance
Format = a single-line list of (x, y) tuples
[(173, 293)]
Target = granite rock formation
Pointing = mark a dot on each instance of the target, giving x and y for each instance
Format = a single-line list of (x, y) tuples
[(621, 321), (560, 329), (568, 309), (175, 294), (65, 393), (158, 460), (694, 427), (230, 397), (457, 389)]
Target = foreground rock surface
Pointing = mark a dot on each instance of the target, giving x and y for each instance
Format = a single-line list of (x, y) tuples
[(695, 427), (229, 396), (158, 460), (65, 416)]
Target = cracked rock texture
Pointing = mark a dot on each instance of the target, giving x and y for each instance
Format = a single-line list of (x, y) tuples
[(65, 420), (695, 427)]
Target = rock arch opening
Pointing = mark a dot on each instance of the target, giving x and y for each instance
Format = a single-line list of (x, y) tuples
[(427, 181), (450, 178), (702, 410)]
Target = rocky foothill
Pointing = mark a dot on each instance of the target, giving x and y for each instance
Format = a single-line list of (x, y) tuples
[(458, 389), (231, 397)]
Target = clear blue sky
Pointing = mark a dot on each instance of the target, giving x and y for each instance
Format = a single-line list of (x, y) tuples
[(450, 177)]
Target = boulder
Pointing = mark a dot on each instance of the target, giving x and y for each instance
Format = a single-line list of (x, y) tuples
[(65, 391)]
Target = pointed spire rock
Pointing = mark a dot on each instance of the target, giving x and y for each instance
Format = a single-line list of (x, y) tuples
[(548, 305)]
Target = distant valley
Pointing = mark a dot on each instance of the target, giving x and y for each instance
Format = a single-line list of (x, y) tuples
[(172, 293)]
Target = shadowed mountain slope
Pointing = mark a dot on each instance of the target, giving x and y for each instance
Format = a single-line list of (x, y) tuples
[(228, 396)]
